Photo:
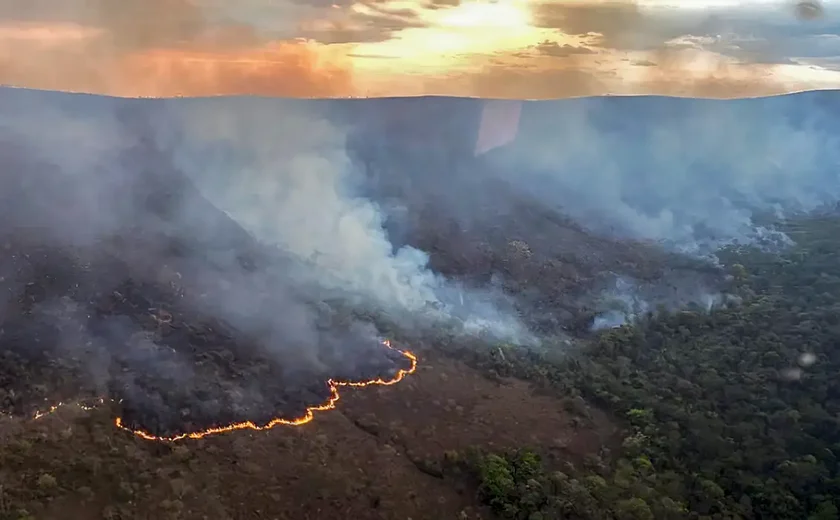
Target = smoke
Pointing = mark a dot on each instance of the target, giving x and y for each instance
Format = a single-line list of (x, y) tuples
[(341, 217), (115, 265), (282, 175), (206, 261), (281, 169), (593, 186), (626, 300), (692, 175), (278, 168), (54, 156)]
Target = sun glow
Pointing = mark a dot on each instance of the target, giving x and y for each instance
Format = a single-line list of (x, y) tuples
[(451, 37), (486, 15)]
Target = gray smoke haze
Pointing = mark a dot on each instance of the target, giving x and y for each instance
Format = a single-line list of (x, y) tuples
[(691, 175), (110, 181), (680, 175), (626, 300), (281, 169), (354, 198), (40, 139), (87, 198)]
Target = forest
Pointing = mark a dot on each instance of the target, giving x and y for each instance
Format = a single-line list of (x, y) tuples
[(728, 414)]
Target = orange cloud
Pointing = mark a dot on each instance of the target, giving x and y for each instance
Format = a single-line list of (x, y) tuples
[(47, 35), (279, 69), (158, 48), (48, 56), (308, 48), (80, 59)]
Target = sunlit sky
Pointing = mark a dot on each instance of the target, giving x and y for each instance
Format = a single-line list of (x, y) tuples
[(501, 48)]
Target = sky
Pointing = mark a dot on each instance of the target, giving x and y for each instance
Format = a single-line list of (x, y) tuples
[(524, 49)]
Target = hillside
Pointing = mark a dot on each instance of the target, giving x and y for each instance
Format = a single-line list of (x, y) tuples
[(188, 264)]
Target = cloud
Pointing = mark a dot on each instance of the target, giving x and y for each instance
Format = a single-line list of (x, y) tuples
[(156, 48), (335, 48), (770, 34), (128, 25), (550, 48), (282, 69), (625, 48), (189, 47), (132, 25), (676, 73), (364, 23), (439, 4), (672, 78), (614, 23), (510, 82), (81, 63), (776, 43)]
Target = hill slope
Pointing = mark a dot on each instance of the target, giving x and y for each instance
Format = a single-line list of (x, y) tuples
[(208, 261)]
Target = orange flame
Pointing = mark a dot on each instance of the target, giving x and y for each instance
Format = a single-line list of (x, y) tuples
[(330, 404), (54, 408)]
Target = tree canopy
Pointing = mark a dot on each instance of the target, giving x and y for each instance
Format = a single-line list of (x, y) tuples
[(731, 414)]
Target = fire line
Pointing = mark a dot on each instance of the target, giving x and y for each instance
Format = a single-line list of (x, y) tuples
[(330, 404)]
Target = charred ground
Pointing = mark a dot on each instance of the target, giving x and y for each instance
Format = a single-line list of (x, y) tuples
[(128, 316)]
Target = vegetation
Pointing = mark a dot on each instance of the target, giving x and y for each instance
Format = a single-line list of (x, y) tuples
[(731, 414)]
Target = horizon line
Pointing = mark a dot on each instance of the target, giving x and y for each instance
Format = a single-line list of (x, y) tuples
[(416, 96)]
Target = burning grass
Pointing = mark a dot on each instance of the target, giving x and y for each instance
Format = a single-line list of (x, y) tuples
[(73, 335), (307, 417)]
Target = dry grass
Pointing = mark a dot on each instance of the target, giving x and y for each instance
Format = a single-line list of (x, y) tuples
[(375, 457)]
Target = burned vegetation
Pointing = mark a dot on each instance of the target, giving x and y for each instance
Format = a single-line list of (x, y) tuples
[(181, 325)]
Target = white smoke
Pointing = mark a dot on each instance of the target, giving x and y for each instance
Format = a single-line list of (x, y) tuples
[(691, 174), (282, 172), (627, 300)]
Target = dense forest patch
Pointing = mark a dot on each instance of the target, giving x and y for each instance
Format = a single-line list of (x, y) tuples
[(730, 414)]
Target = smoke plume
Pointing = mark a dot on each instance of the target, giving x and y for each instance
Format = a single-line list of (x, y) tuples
[(635, 177), (281, 169), (119, 260), (384, 208), (690, 174)]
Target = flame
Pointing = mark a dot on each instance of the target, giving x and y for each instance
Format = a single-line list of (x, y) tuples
[(330, 404), (54, 408)]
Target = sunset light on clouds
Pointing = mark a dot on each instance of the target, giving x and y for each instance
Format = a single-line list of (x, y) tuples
[(502, 48)]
